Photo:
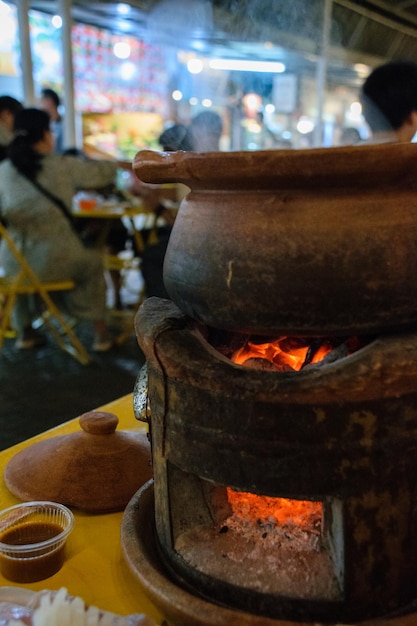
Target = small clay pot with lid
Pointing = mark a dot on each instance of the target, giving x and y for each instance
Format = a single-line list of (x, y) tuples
[(96, 469)]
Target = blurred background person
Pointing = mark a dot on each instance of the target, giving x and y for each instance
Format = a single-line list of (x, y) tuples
[(349, 136), (175, 137), (389, 102), (9, 107), (163, 201), (36, 192), (115, 235), (51, 103), (172, 139), (205, 131)]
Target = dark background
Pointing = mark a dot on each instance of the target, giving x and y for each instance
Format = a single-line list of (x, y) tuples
[(40, 389)]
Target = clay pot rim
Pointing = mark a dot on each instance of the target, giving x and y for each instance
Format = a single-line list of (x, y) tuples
[(364, 164)]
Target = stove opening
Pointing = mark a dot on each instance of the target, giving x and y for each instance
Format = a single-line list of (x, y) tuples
[(285, 353), (261, 544), (297, 523)]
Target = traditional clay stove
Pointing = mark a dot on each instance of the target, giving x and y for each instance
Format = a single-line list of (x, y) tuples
[(339, 436)]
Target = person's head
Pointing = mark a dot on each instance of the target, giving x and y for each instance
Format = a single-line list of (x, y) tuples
[(350, 136), (50, 102), (206, 129), (389, 98), (9, 107), (32, 140), (174, 138)]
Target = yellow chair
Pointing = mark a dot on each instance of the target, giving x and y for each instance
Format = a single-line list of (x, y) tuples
[(26, 282)]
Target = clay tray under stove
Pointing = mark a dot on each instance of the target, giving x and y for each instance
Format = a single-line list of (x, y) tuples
[(178, 605)]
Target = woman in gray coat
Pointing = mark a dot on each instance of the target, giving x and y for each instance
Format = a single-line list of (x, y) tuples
[(43, 229)]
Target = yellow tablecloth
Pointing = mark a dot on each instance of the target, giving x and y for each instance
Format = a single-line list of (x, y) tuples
[(95, 568)]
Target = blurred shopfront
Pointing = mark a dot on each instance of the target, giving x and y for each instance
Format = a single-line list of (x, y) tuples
[(120, 101), (126, 90)]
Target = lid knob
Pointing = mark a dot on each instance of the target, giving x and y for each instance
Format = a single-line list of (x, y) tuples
[(99, 422)]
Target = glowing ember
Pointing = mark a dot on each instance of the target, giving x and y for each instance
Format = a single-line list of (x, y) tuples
[(284, 352), (282, 511)]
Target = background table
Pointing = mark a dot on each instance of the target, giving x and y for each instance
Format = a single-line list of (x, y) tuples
[(138, 216), (94, 568)]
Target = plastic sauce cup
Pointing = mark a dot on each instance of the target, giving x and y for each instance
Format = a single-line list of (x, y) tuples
[(87, 204), (32, 540)]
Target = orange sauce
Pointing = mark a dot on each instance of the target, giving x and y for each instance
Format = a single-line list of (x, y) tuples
[(87, 204), (27, 566)]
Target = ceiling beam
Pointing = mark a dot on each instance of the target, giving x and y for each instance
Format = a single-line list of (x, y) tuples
[(382, 19)]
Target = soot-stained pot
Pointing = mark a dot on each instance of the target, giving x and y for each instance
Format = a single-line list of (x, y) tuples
[(293, 241)]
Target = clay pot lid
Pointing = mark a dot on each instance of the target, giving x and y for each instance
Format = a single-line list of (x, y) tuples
[(96, 469)]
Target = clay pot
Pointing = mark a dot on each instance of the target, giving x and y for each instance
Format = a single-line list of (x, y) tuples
[(304, 242)]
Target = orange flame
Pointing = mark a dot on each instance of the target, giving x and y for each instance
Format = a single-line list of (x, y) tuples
[(286, 512), (284, 351)]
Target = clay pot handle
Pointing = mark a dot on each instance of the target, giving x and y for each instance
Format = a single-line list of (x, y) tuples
[(160, 167), (99, 422), (197, 170)]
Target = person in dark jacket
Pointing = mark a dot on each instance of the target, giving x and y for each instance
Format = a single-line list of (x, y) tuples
[(389, 102)]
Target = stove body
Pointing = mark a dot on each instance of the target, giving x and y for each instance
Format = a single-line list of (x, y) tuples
[(342, 434)]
